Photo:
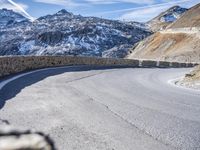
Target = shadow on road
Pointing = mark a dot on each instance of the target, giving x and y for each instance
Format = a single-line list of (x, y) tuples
[(14, 87)]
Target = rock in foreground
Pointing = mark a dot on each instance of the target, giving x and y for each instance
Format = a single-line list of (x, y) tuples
[(24, 140)]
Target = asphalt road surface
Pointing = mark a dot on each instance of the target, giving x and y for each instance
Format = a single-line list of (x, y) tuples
[(85, 108)]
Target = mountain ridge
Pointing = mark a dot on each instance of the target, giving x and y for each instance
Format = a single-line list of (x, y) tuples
[(9, 17), (165, 18), (64, 33), (189, 19)]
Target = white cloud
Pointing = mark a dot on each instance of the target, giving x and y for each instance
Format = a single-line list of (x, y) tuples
[(120, 1), (58, 2), (190, 3), (9, 6), (18, 7), (6, 4), (148, 12), (88, 2), (143, 15)]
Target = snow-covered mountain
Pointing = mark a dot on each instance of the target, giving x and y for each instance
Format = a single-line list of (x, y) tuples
[(64, 33), (166, 18), (9, 18), (172, 14)]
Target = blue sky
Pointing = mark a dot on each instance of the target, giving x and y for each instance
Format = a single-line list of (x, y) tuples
[(135, 10)]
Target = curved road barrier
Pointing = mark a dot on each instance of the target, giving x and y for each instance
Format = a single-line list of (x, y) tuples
[(175, 64), (183, 65), (16, 64), (148, 63), (164, 64)]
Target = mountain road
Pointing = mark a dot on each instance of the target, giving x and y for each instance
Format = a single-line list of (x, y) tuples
[(93, 108)]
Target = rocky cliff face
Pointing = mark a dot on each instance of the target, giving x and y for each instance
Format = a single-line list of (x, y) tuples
[(64, 33)]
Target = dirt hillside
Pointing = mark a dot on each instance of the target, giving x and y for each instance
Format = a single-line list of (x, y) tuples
[(177, 47), (178, 43)]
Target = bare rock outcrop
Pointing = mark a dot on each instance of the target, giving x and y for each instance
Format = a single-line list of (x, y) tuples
[(12, 139)]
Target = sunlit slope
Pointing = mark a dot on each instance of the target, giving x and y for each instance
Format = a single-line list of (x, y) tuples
[(180, 42)]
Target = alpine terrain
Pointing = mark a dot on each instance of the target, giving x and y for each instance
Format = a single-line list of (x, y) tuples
[(10, 18), (166, 18), (91, 103), (180, 41), (64, 33)]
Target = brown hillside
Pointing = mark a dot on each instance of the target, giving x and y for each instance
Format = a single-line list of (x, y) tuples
[(179, 47)]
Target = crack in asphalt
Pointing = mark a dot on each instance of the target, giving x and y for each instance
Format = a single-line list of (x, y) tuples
[(124, 119), (88, 76)]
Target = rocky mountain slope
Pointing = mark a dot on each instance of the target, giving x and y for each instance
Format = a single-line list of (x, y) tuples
[(190, 19), (10, 18), (176, 43), (64, 33), (166, 18)]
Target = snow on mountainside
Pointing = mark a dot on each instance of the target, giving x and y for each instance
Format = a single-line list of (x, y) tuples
[(166, 18), (172, 14), (189, 19), (64, 33), (9, 17)]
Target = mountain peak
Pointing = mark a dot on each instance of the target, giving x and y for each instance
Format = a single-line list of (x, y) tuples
[(64, 11), (167, 17), (172, 14), (5, 11), (189, 19), (9, 12), (175, 7), (8, 17)]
